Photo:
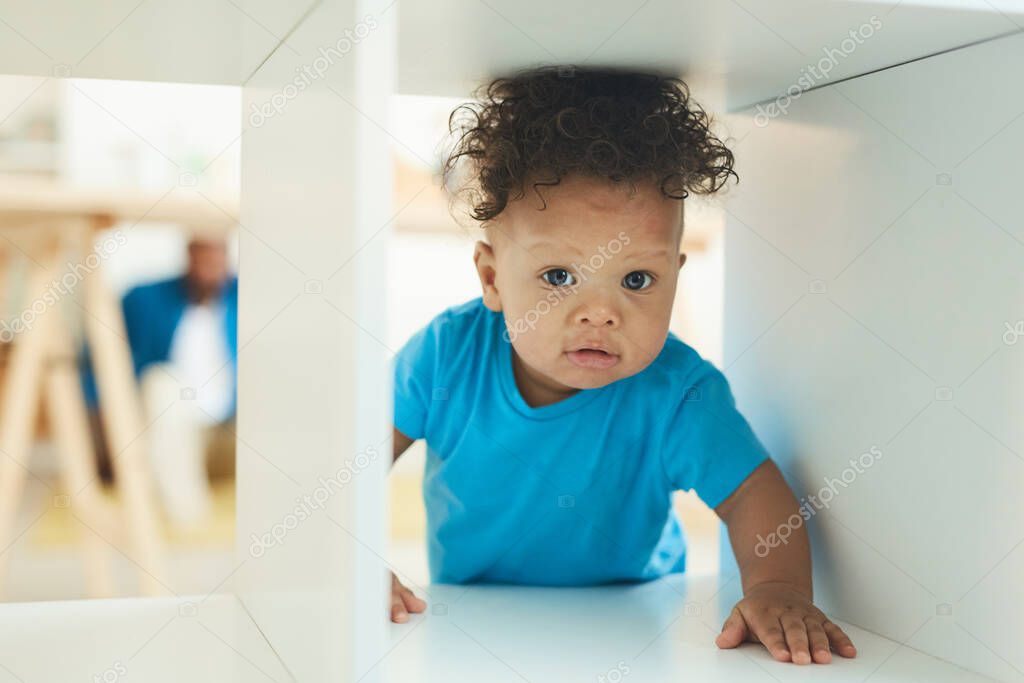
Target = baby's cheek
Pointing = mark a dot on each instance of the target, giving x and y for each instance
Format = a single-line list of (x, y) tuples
[(522, 323), (530, 346), (651, 343)]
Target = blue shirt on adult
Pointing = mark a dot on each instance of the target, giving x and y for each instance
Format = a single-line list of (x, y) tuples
[(152, 312), (573, 493)]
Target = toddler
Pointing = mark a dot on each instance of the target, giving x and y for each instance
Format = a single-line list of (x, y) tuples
[(559, 411)]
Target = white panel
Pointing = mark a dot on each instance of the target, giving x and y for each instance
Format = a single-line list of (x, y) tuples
[(731, 53), (190, 41), (874, 261), (314, 396), (157, 640)]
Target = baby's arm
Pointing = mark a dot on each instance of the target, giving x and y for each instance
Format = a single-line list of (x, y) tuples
[(777, 608), (403, 600), (401, 443)]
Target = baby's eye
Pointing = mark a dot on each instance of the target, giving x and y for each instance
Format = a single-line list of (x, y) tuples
[(559, 277), (637, 280)]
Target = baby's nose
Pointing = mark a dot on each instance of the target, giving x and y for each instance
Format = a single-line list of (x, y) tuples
[(597, 315)]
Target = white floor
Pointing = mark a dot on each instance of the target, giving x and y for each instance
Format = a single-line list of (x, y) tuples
[(45, 562)]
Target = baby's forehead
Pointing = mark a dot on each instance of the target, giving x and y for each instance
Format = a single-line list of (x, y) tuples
[(534, 244), (572, 222)]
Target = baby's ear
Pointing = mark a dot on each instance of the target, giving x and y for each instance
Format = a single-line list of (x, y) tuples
[(486, 268)]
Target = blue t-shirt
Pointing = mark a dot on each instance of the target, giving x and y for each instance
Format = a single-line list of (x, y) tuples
[(573, 493)]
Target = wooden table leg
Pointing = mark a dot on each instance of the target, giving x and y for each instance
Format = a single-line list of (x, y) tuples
[(125, 428), (69, 423), (18, 411)]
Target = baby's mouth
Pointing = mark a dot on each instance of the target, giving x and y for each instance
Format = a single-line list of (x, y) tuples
[(594, 359)]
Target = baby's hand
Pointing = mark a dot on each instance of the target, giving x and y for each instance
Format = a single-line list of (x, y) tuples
[(403, 601), (786, 622)]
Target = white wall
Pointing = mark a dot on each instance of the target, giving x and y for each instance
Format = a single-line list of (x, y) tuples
[(314, 386), (146, 135), (901, 344)]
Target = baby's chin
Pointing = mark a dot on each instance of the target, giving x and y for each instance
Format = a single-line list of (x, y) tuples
[(593, 378)]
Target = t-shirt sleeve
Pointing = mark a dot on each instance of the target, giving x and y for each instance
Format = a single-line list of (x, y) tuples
[(415, 370), (708, 445)]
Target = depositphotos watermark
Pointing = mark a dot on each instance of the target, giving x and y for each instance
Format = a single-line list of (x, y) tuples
[(810, 505), (308, 504), (111, 675), (311, 72), (554, 297), (76, 272), (615, 674), (812, 73), (1013, 332)]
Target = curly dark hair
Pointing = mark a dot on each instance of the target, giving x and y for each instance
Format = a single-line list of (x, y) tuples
[(551, 121)]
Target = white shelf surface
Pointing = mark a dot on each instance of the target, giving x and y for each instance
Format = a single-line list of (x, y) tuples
[(658, 631), (154, 640)]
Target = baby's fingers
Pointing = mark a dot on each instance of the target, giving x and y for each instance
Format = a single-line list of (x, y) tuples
[(399, 613), (403, 601), (734, 631), (412, 603), (841, 642), (819, 641), (769, 631), (796, 638)]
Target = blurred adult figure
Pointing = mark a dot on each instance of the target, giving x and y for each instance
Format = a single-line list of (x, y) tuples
[(182, 332)]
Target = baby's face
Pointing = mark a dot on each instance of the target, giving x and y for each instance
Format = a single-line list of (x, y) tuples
[(586, 285)]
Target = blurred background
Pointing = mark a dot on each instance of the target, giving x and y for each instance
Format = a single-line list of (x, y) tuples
[(138, 161), (169, 154)]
